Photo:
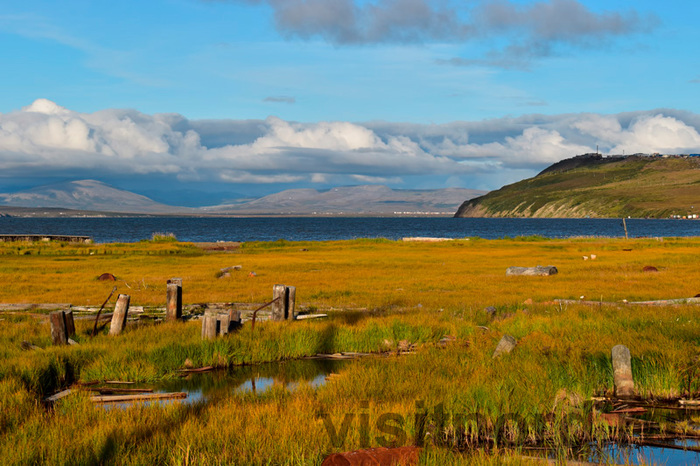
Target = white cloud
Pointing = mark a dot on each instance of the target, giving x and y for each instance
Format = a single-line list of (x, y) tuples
[(45, 139)]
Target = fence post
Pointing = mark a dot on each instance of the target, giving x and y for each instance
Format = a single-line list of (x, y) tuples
[(279, 292), (121, 311), (174, 301), (622, 371), (58, 328), (70, 323), (291, 303)]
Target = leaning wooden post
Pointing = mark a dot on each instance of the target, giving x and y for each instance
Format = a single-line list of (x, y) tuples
[(279, 292), (70, 323), (121, 311), (58, 328), (173, 302), (622, 372), (290, 310)]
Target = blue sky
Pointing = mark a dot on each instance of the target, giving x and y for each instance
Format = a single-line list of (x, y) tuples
[(449, 93)]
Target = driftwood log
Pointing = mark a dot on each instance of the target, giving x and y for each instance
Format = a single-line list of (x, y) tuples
[(532, 271)]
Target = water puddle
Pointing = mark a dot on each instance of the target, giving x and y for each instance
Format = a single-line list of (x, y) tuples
[(256, 379)]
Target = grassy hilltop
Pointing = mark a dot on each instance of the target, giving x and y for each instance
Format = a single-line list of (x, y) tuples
[(592, 186)]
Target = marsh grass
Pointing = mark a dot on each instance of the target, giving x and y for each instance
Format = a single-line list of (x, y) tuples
[(414, 292)]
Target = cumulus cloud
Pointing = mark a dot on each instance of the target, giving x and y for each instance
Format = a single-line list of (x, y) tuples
[(529, 30), (45, 139)]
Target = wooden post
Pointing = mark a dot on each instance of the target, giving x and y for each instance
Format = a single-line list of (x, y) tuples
[(279, 292), (70, 323), (291, 303), (224, 323), (234, 316), (121, 311), (209, 327), (624, 224), (174, 302), (622, 371), (58, 328), (175, 281)]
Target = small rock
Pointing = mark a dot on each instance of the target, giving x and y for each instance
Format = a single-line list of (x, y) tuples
[(593, 257), (388, 343), (532, 271), (491, 311), (528, 301), (188, 363), (649, 268), (225, 275), (107, 277), (229, 269), (404, 345), (585, 258), (506, 345)]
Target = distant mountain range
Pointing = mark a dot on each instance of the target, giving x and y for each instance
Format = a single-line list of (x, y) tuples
[(591, 185), (94, 196)]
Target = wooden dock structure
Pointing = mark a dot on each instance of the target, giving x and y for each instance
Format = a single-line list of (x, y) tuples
[(46, 238)]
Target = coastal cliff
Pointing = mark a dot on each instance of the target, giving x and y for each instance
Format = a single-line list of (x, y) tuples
[(594, 186)]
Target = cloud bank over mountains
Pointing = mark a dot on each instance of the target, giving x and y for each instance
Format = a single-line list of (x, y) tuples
[(47, 140)]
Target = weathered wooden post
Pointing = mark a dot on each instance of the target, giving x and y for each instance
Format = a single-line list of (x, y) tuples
[(224, 323), (58, 328), (173, 301), (121, 311), (622, 371), (279, 293), (209, 327), (234, 316), (70, 323), (291, 303)]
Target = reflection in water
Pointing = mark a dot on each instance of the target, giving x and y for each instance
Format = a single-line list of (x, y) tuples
[(253, 379)]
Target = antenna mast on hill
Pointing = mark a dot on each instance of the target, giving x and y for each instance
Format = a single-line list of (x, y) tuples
[(596, 149)]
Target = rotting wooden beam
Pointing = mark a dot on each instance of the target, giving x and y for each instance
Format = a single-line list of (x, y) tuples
[(141, 397)]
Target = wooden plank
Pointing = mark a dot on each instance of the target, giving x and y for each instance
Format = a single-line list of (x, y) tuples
[(311, 316), (35, 306), (118, 382), (57, 396), (141, 397), (199, 369)]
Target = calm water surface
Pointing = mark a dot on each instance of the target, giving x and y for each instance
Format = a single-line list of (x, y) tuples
[(318, 229)]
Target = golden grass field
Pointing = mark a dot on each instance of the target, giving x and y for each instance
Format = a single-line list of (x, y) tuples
[(396, 291)]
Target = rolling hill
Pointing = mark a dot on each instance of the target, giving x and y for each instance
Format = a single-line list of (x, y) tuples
[(594, 186)]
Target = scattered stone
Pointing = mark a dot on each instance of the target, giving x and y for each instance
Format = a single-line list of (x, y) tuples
[(532, 271), (404, 345), (232, 268), (585, 258), (388, 343), (506, 345), (622, 371), (107, 277), (593, 257), (188, 364), (26, 346), (405, 456), (528, 301), (490, 311), (225, 275), (649, 268), (444, 341)]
